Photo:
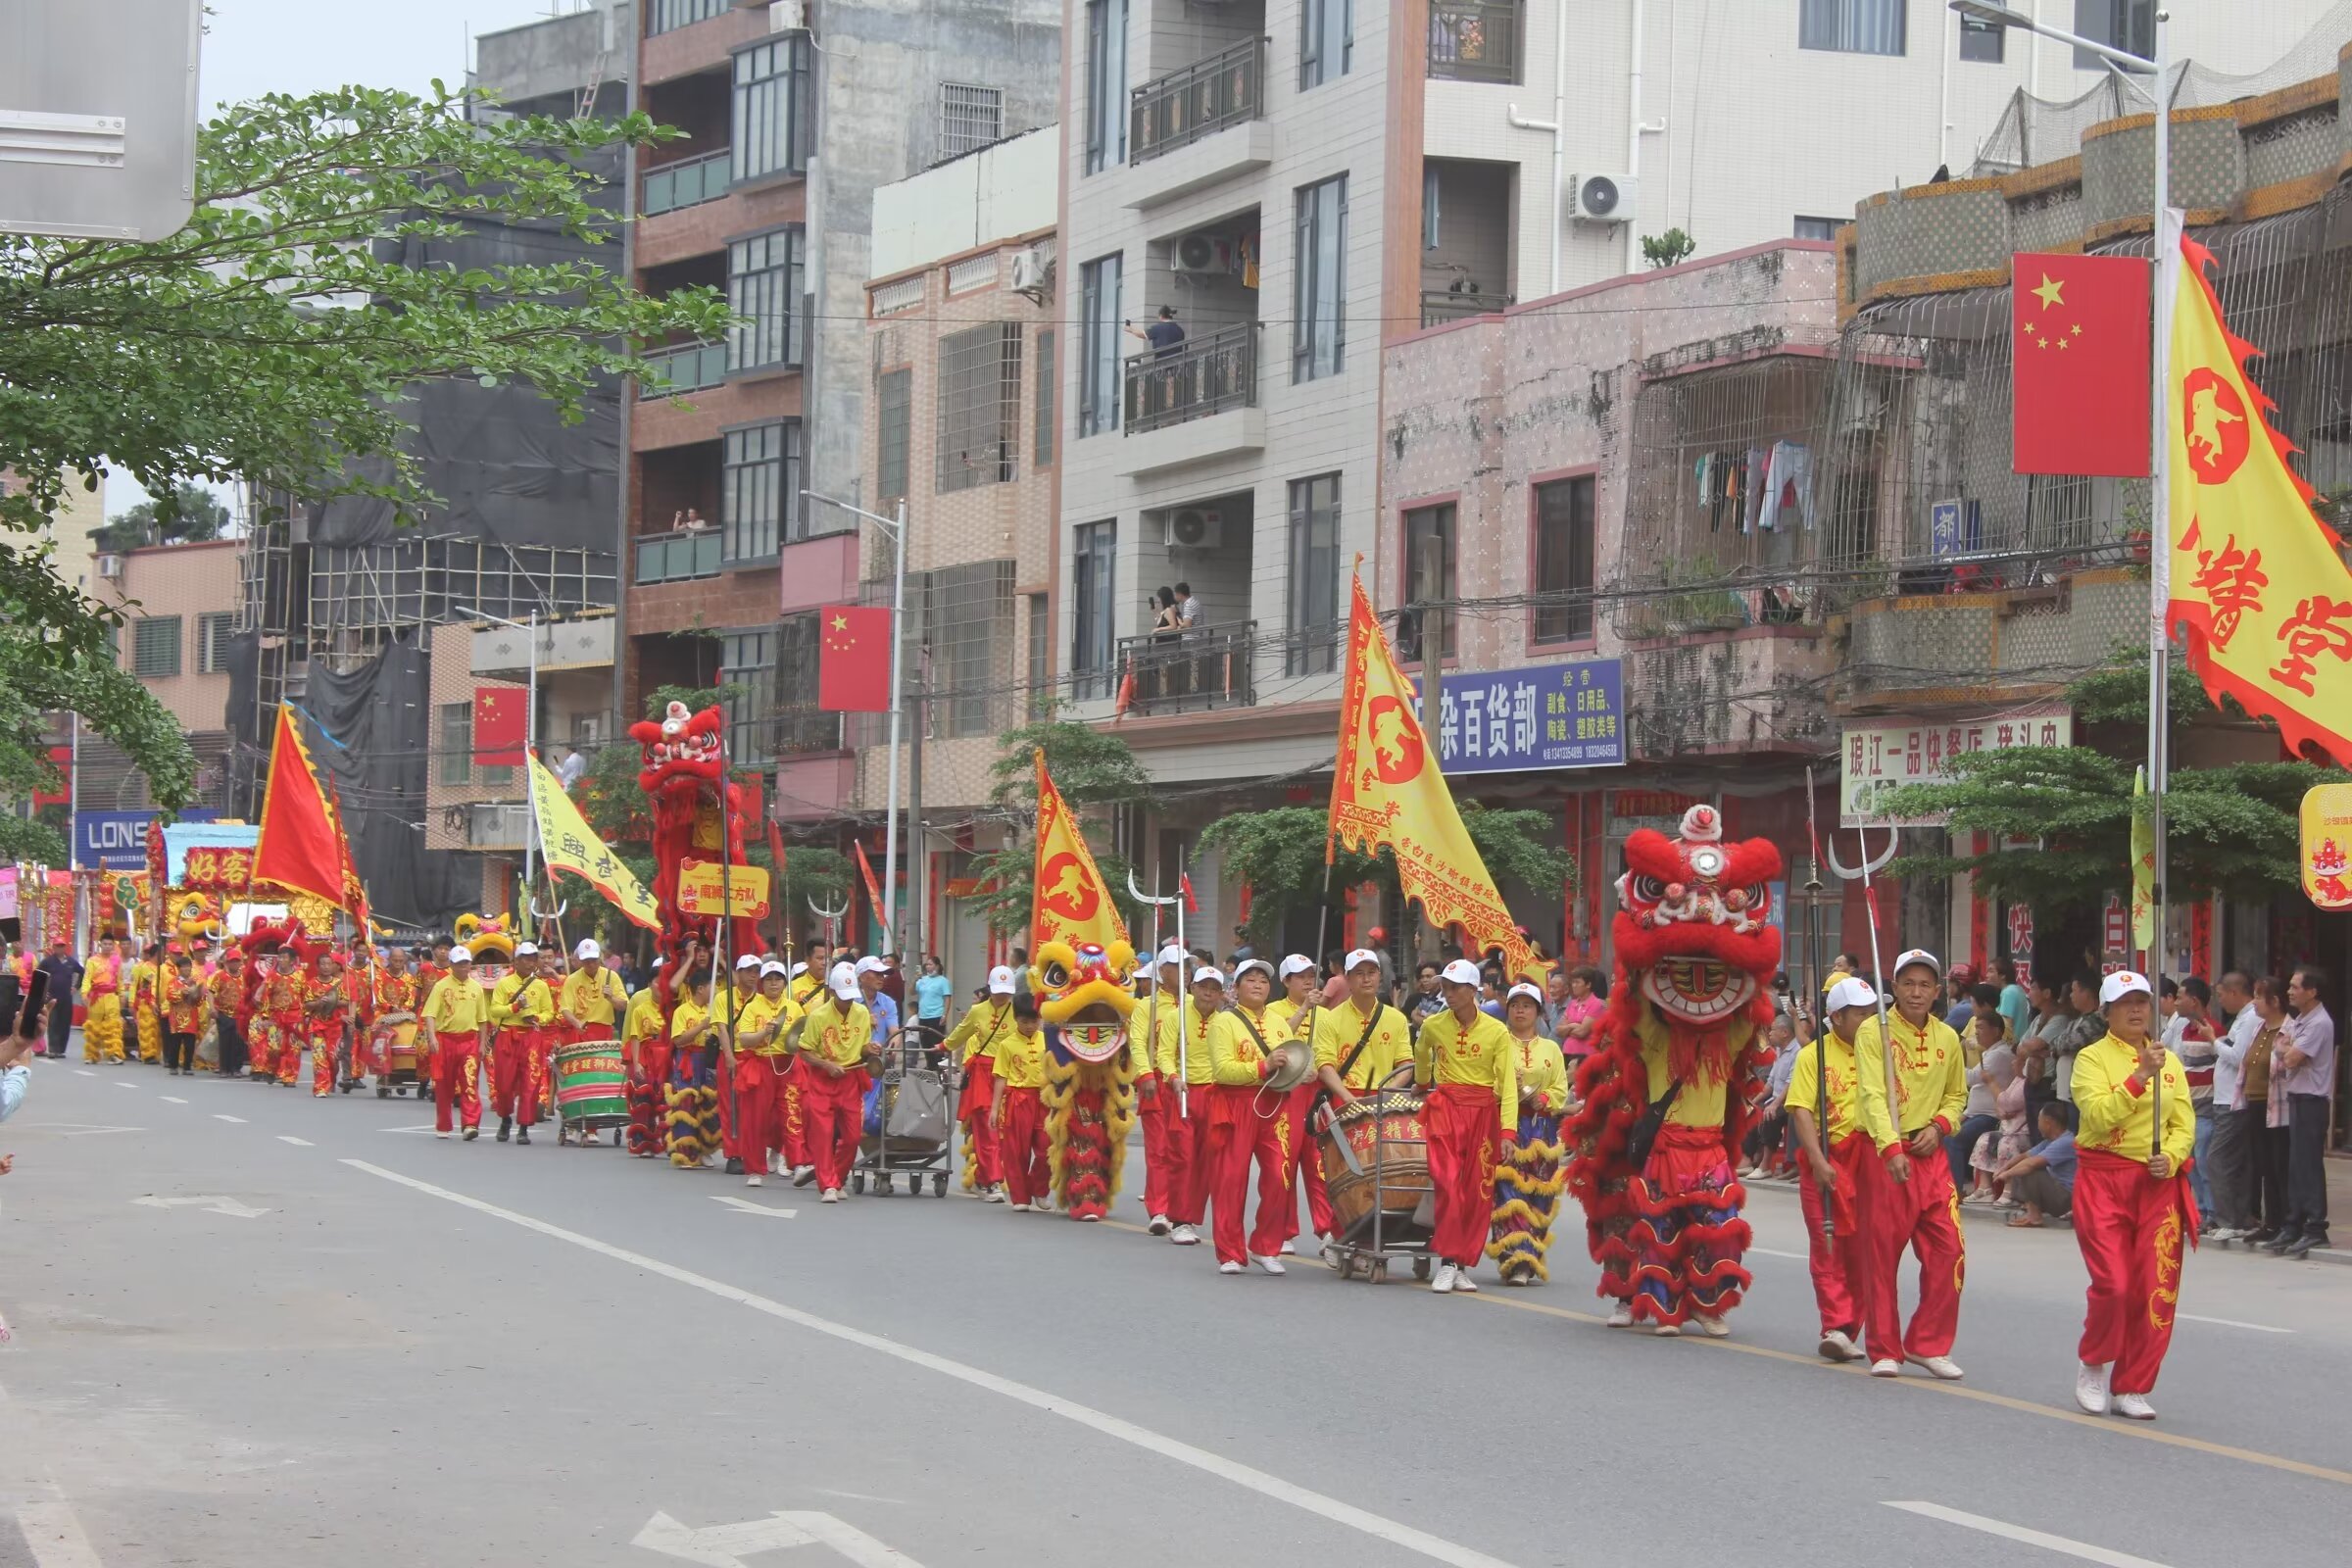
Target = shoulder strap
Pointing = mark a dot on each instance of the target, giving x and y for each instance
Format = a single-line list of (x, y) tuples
[(1244, 1019), (1371, 1024)]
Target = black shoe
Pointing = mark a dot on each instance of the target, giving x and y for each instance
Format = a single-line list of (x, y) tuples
[(2280, 1244), (2259, 1236), (523, 1136), (734, 1167), (2306, 1241), (505, 1128)]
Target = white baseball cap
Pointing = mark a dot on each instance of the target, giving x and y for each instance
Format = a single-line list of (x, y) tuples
[(460, 954), (1297, 963), (869, 964), (1851, 992), (587, 950), (770, 968), (1001, 982), (1208, 976), (750, 960), (1363, 956), (526, 950), (1523, 989), (1460, 972), (842, 981), (1905, 960), (2120, 984), (1171, 953), (798, 970), (1246, 965), (658, 962)]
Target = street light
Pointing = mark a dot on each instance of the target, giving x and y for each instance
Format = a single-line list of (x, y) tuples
[(530, 726), (895, 527), (2167, 261)]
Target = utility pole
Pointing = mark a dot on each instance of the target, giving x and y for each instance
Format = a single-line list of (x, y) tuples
[(919, 905), (1433, 617)]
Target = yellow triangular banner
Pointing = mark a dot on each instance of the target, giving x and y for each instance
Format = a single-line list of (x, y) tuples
[(1072, 904), (568, 844)]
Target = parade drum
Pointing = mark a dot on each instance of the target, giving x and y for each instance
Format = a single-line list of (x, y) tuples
[(591, 1084), (395, 1046), (1376, 1148)]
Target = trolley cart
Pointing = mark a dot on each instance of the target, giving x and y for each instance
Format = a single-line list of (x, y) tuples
[(907, 1117), (1375, 1157), (403, 1065), (591, 1083)]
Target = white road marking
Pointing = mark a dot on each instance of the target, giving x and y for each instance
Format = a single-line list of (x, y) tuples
[(298, 1143), (2032, 1538), (210, 1204), (2232, 1323), (84, 1129), (174, 1099), (223, 1116), (85, 1073), (1798, 1256), (851, 1541), (54, 1533), (744, 1205), (1434, 1547), (426, 1126), (123, 1083)]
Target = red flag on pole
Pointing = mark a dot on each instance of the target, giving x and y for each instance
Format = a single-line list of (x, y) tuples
[(500, 714), (2080, 354), (852, 663), (873, 885), (300, 848)]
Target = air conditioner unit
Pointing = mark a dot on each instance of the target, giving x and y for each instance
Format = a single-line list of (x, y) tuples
[(1195, 529), (791, 16), (1602, 199), (111, 568), (1204, 253), (1032, 272), (588, 730)]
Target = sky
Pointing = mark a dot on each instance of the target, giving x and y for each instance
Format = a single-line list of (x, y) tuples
[(255, 46)]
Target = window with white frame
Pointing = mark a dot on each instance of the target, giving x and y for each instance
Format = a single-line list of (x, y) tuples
[(760, 487), (1106, 84), (970, 117), (1318, 325), (979, 405), (155, 647), (767, 275), (772, 128), (1310, 644), (212, 632), (1851, 26), (1099, 368)]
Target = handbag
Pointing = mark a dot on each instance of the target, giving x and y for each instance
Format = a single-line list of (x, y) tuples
[(1645, 1134)]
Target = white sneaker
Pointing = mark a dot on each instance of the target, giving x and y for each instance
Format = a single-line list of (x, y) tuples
[(1465, 1283), (750, 1181), (802, 1175), (1886, 1366), (1941, 1366), (1837, 1345), (995, 1195), (445, 1135), (2090, 1388), (1714, 1328), (832, 1194), (1045, 1206), (1023, 1208), (1185, 1236), (2135, 1407), (1289, 1248), (1272, 1265), (1623, 1317), (1442, 1282), (1668, 1331), (1229, 1269), (1159, 1225)]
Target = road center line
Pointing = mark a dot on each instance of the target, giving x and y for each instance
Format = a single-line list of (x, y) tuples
[(1797, 1256), (1434, 1547), (174, 1099), (2139, 1430), (2032, 1538), (220, 1116), (2231, 1323), (125, 1083), (298, 1143), (85, 1073)]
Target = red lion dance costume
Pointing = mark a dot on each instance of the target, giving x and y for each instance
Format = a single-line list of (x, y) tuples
[(679, 1097), (1082, 997), (1688, 1014)]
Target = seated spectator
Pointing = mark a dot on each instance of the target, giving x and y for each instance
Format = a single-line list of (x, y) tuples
[(1765, 1139), (2010, 1132), (1981, 1038), (2044, 1177)]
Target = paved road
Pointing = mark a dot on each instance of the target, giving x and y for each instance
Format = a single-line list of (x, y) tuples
[(447, 1354)]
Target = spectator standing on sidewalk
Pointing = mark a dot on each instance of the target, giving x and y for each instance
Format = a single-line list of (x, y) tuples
[(2188, 1035), (2303, 1076), (2260, 1091), (2236, 1125), (2015, 1004), (65, 982)]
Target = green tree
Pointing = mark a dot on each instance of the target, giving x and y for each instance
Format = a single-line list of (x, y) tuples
[(1091, 767), (189, 514), (1278, 853), (27, 839), (1668, 249), (227, 352)]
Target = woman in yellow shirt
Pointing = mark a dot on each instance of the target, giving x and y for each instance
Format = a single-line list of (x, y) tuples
[(1466, 1058), (1527, 1179), (2133, 1205), (972, 1044), (1016, 1110), (1245, 1124)]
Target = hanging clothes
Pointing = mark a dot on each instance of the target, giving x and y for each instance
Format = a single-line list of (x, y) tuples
[(1788, 486)]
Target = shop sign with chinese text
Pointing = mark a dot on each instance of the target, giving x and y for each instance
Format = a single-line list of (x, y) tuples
[(1539, 716), (1874, 759)]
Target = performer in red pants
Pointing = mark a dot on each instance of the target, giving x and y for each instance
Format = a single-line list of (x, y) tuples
[(522, 1009), (1245, 1124), (326, 1009), (972, 1045), (1294, 1016), (1468, 1062), (1358, 1044), (1017, 1111), (2133, 1209), (1828, 1175), (457, 1025), (1907, 1194), (1192, 1174), (645, 1046), (588, 1004), (1158, 1075), (836, 1037), (758, 1061)]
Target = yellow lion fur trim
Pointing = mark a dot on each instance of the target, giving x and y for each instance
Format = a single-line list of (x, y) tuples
[(1061, 1081)]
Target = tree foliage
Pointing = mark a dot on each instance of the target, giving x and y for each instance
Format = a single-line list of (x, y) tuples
[(1091, 767), (189, 514), (231, 349), (23, 839)]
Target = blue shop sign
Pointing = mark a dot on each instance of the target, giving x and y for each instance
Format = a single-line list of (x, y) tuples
[(1540, 717), (117, 840)]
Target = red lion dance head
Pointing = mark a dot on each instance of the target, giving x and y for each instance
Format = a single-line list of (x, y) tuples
[(682, 752), (1693, 930)]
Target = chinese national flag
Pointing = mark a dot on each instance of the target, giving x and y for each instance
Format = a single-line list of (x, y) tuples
[(499, 716), (853, 666), (2081, 358), (301, 847)]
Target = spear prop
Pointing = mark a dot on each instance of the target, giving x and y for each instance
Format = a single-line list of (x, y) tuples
[(1182, 1068), (1869, 901)]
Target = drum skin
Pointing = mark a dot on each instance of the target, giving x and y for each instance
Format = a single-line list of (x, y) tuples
[(1385, 1124)]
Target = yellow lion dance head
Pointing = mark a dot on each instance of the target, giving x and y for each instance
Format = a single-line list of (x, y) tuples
[(489, 941), (196, 919), (1082, 993)]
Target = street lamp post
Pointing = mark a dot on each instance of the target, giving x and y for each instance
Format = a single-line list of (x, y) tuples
[(2166, 256), (895, 527), (530, 732)]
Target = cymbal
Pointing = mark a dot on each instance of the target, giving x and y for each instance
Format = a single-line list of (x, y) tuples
[(1294, 1060)]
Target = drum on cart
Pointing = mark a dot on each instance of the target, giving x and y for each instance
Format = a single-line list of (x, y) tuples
[(591, 1086), (395, 1046), (1375, 1157)]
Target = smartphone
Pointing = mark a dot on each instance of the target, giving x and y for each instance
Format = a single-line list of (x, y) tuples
[(29, 1011)]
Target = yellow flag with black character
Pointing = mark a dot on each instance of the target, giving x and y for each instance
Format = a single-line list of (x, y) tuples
[(568, 844)]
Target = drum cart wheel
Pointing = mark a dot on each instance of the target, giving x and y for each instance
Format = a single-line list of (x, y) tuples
[(939, 1185), (857, 1182), (383, 1090), (883, 1187), (1421, 1268), (1377, 1271)]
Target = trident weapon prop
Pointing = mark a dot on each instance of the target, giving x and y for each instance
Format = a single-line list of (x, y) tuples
[(829, 916), (1870, 901), (1814, 1000), (1182, 1068)]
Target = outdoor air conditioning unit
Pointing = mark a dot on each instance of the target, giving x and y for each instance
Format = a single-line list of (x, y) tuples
[(111, 566), (1195, 529), (588, 730), (791, 16), (1204, 253), (1602, 199), (1032, 273)]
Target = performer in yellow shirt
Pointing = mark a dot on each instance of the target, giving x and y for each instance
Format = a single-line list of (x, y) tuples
[(1016, 1110), (1907, 1194), (1189, 1193), (1828, 1175), (182, 996), (457, 1027), (972, 1045), (809, 975), (760, 1058), (522, 1007), (1246, 1124), (588, 1004), (1157, 1025), (697, 1027), (2132, 1205), (645, 1048), (1526, 1181), (144, 982), (1296, 1014), (833, 1042), (102, 1019), (1466, 1060)]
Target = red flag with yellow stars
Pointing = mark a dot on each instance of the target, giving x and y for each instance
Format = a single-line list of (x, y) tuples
[(500, 715), (2256, 581), (1072, 903), (1387, 791), (852, 661), (2079, 354)]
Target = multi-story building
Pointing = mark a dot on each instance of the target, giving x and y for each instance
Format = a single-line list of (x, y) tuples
[(793, 115), (1301, 182), (178, 608), (960, 432)]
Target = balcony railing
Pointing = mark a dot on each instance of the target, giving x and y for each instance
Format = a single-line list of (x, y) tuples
[(688, 368), (1448, 306), (680, 557), (1201, 99), (686, 183), (1473, 41), (1208, 666), (1205, 376)]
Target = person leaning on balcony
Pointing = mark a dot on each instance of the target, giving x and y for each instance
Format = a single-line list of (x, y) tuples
[(1166, 335)]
